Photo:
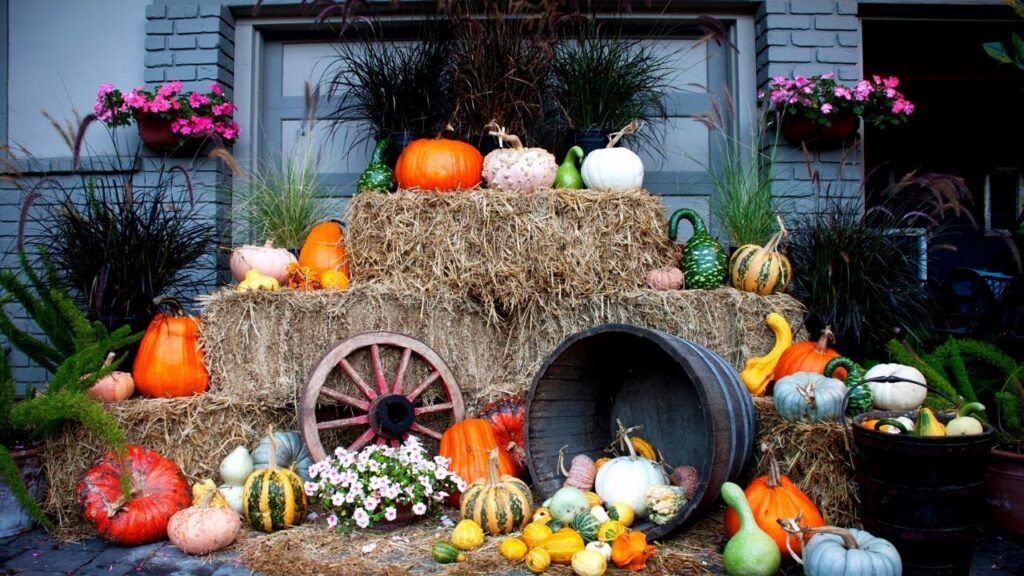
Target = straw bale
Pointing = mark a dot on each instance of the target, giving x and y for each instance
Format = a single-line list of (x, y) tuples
[(196, 432), (816, 457), (504, 247), (262, 345)]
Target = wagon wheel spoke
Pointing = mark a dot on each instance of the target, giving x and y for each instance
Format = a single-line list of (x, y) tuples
[(423, 385), (396, 387), (363, 439), (433, 408), (417, 427), (343, 423), (345, 399), (395, 442), (357, 379), (378, 369)]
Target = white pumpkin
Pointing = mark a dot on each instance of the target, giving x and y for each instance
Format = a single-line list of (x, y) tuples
[(265, 259), (615, 169), (897, 395), (626, 479), (233, 496), (236, 466)]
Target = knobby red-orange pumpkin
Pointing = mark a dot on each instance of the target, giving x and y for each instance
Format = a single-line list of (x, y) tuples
[(324, 249), (772, 497), (468, 444), (439, 164), (158, 491), (170, 360)]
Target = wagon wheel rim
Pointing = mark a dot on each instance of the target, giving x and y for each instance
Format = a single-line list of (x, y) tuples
[(385, 404)]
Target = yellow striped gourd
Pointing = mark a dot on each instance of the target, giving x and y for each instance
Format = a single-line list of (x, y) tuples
[(274, 498), (499, 504), (761, 269)]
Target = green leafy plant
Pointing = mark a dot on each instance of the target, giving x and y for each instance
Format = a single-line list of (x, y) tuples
[(283, 204), (76, 360), (390, 84), (1014, 53), (977, 372)]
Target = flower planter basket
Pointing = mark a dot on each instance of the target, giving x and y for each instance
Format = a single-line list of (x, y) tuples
[(799, 130), (156, 133), (1006, 491)]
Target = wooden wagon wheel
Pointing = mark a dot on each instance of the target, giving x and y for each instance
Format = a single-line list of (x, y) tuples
[(387, 410)]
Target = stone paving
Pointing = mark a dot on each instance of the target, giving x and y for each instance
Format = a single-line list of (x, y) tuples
[(35, 553)]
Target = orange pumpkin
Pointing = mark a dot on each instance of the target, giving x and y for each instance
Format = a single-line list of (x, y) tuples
[(772, 497), (809, 357), (630, 550), (439, 164), (467, 444), (324, 249), (169, 362)]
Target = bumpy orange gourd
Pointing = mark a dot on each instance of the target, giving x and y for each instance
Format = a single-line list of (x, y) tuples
[(439, 164), (468, 444), (324, 248), (170, 360), (775, 496), (809, 357), (631, 550)]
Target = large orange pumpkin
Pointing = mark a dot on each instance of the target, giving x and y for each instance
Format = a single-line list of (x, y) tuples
[(439, 164), (808, 356), (324, 249), (772, 497), (170, 360), (468, 444)]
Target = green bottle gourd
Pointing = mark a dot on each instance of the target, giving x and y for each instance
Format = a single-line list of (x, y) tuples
[(704, 260), (861, 399), (751, 551), (568, 175), (378, 177)]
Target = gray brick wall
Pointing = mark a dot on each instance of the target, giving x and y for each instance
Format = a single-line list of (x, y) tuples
[(809, 37)]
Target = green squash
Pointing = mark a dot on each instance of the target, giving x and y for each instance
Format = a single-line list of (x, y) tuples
[(704, 260), (445, 553), (809, 397), (586, 525), (835, 551), (378, 177), (751, 551), (568, 176), (861, 399)]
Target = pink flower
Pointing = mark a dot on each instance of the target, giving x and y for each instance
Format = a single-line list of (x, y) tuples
[(332, 521), (891, 82), (169, 89), (159, 104), (135, 100), (826, 108), (181, 126), (419, 508), (215, 88), (105, 89), (361, 517), (842, 92), (196, 100), (223, 109), (390, 513), (829, 76)]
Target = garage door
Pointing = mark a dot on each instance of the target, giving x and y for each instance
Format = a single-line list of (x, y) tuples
[(676, 171)]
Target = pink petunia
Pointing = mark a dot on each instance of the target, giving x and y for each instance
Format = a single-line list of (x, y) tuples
[(826, 108), (197, 100), (215, 88)]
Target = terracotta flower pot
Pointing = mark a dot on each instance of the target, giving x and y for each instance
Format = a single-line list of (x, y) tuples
[(1006, 491), (403, 518), (156, 133), (800, 130)]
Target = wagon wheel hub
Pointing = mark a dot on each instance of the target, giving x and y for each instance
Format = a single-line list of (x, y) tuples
[(391, 416)]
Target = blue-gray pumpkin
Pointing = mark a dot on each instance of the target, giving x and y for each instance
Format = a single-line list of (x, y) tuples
[(809, 397), (835, 552), (291, 453)]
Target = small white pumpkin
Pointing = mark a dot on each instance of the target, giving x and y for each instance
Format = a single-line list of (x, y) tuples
[(627, 478), (897, 395), (611, 168), (233, 495), (265, 259), (236, 467)]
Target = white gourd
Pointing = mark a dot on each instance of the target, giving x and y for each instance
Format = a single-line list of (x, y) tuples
[(897, 395), (236, 466)]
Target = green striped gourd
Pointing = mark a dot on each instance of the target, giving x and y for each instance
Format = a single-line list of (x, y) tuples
[(861, 399), (761, 269), (499, 504), (445, 553), (378, 177), (586, 525), (274, 498), (703, 260)]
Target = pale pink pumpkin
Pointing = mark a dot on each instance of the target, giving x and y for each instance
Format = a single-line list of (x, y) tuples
[(265, 259), (202, 528), (667, 278)]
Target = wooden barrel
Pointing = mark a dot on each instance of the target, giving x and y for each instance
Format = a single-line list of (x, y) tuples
[(689, 400)]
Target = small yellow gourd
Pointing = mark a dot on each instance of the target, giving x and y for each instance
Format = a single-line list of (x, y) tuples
[(334, 280), (467, 535), (643, 448), (603, 547), (541, 516), (513, 549), (534, 533), (255, 281), (589, 563), (928, 424), (601, 462), (592, 498), (622, 512), (201, 488), (538, 560), (562, 545), (610, 530), (758, 372)]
